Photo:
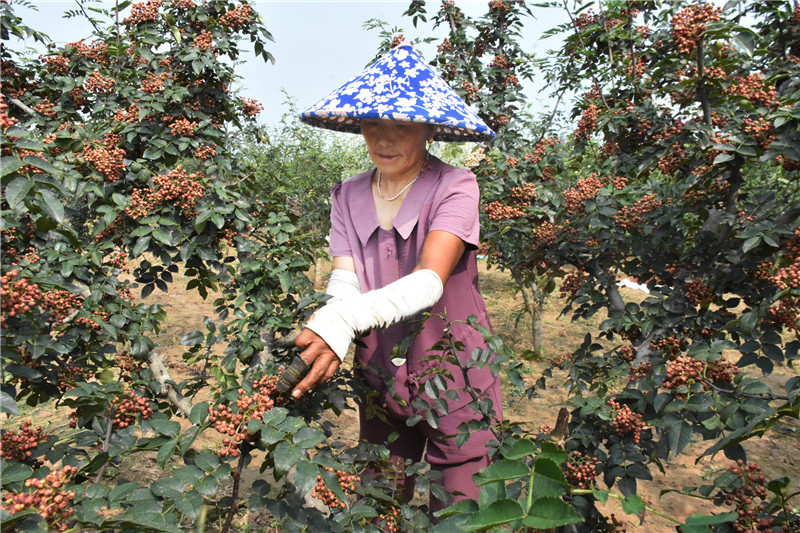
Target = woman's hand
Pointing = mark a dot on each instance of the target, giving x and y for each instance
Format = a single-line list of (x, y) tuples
[(318, 355)]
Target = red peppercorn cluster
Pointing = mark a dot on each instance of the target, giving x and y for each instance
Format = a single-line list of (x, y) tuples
[(751, 486), (107, 159), (45, 108), (98, 84), (698, 293), (142, 12), (57, 64), (588, 122), (524, 194), (641, 370), (670, 346), (6, 121), (581, 470), (626, 422), (249, 406), (627, 352), (155, 83), (128, 364), (584, 189), (762, 131), (17, 445), (119, 259), (70, 375), (560, 360), (540, 149), (572, 283), (96, 51), (498, 211), (346, 481), (721, 371), (498, 5), (237, 19), (545, 233), (630, 218), (753, 88), (785, 314), (47, 497), (511, 80), (129, 115), (184, 4), (126, 407), (204, 41), (251, 107), (183, 127), (683, 371), (60, 304), (471, 93), (689, 24), (205, 152), (175, 186), (586, 18), (389, 521), (17, 296)]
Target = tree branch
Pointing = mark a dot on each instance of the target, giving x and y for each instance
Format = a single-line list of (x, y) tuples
[(156, 364)]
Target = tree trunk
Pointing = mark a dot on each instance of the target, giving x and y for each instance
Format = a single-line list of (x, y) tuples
[(531, 299)]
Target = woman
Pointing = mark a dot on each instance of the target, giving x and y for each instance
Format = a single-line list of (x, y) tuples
[(404, 238)]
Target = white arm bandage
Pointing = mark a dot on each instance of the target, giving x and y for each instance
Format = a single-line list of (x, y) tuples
[(340, 321), (342, 284)]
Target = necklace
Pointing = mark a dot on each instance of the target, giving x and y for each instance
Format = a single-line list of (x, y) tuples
[(409, 184)]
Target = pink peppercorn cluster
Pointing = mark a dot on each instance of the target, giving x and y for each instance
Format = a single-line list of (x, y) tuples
[(16, 445), (626, 422), (46, 497), (751, 485), (689, 24), (17, 296), (126, 407), (323, 493), (142, 12), (175, 186), (581, 470), (249, 406)]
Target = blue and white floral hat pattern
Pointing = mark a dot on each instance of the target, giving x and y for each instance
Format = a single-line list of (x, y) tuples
[(400, 85)]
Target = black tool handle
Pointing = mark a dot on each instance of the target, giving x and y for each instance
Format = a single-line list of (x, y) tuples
[(292, 375)]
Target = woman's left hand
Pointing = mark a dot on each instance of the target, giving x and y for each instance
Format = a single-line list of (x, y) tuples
[(318, 355)]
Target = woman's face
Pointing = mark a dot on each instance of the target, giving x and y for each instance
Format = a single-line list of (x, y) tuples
[(397, 148)]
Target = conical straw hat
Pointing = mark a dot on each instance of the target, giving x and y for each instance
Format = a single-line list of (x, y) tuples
[(400, 85)]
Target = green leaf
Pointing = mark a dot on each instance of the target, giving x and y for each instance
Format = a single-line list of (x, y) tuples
[(168, 428), (8, 404), (633, 504), (502, 470), (9, 164), (163, 235), (548, 478), (495, 514), (206, 460), (305, 476), (166, 452), (17, 190), (680, 435), (286, 455), (52, 206), (199, 413), (551, 512), (521, 448), (121, 491), (722, 158), (308, 437)]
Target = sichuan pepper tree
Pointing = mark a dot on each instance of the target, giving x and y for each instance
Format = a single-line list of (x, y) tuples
[(117, 164), (679, 170)]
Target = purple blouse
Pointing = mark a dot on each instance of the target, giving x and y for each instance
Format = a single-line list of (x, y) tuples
[(443, 198)]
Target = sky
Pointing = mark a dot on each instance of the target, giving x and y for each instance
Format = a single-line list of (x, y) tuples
[(319, 44)]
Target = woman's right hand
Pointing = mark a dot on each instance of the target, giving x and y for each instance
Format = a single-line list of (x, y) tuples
[(319, 357)]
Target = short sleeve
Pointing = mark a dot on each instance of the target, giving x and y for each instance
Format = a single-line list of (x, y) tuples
[(339, 244), (457, 209)]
